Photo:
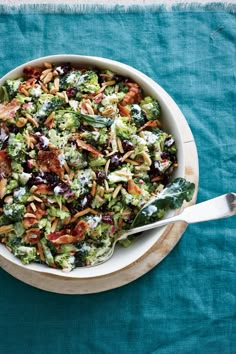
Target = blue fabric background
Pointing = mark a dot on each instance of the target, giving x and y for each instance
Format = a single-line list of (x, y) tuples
[(187, 304)]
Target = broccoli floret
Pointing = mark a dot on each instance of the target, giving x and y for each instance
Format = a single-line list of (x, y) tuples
[(12, 87), (137, 115), (59, 213), (123, 128), (66, 121), (97, 162), (96, 138), (65, 261), (151, 108), (74, 157), (14, 212), (11, 185), (89, 82), (26, 254), (67, 248), (71, 79), (16, 147), (48, 103), (81, 258), (4, 97), (47, 252)]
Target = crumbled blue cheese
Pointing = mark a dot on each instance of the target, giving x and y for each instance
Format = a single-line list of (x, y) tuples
[(93, 221), (19, 192), (149, 137), (122, 175), (36, 91)]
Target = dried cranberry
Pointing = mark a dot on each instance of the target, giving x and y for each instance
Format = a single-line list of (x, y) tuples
[(100, 176), (127, 145), (169, 141), (64, 68), (71, 92), (155, 168), (115, 162), (165, 155), (108, 219)]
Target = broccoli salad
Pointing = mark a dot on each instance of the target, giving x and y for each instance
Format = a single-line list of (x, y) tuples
[(82, 150)]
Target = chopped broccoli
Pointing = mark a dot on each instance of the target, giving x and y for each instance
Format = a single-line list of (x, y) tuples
[(97, 161), (48, 103), (137, 115), (123, 128), (21, 195), (11, 185), (71, 79), (16, 147), (4, 97), (67, 248), (59, 213), (65, 120), (81, 258), (12, 86), (151, 108), (14, 212), (47, 252), (26, 254), (65, 261), (89, 82)]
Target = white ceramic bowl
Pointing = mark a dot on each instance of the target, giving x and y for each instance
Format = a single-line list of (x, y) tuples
[(173, 122)]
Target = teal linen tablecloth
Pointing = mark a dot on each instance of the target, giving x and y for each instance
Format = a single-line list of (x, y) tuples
[(187, 304)]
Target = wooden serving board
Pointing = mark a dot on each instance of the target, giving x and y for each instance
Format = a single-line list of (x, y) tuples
[(171, 235)]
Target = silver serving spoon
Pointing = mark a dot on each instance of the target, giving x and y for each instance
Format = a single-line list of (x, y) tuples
[(216, 208)]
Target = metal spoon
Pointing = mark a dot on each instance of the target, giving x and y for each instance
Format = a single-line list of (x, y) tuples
[(216, 208)]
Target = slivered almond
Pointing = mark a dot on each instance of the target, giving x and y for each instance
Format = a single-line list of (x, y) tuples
[(54, 225), (106, 185), (107, 112), (21, 122), (108, 83), (101, 191), (89, 109), (99, 199), (24, 91), (44, 73), (30, 215), (126, 155), (48, 78), (60, 94), (107, 166), (31, 120), (65, 96), (66, 167), (135, 163), (33, 206), (5, 229), (8, 199), (147, 158), (56, 83), (3, 184), (33, 189), (142, 168), (94, 187), (47, 65), (44, 88), (119, 144), (116, 191)]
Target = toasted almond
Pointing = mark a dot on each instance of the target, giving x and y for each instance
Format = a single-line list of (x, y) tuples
[(119, 144), (110, 190), (61, 95), (5, 229), (55, 73), (56, 83), (47, 65), (3, 184), (30, 215), (54, 225), (128, 175), (116, 191), (33, 189), (147, 158), (44, 88), (33, 206), (8, 199), (89, 109), (142, 168), (101, 191), (94, 187), (66, 167), (32, 120), (126, 155), (108, 83), (99, 199), (21, 122), (48, 78), (106, 185), (107, 166), (132, 162), (65, 96), (79, 214), (107, 112), (24, 91)]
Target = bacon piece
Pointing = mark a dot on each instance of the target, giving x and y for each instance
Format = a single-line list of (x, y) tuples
[(150, 123), (48, 162), (5, 164), (69, 236), (133, 95), (31, 71), (133, 188), (124, 111), (88, 147), (33, 235), (43, 189), (8, 110), (38, 213)]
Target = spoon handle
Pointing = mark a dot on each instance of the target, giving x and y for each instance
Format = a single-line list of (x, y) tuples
[(216, 208)]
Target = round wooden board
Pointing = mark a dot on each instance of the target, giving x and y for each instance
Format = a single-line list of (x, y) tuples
[(155, 255)]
